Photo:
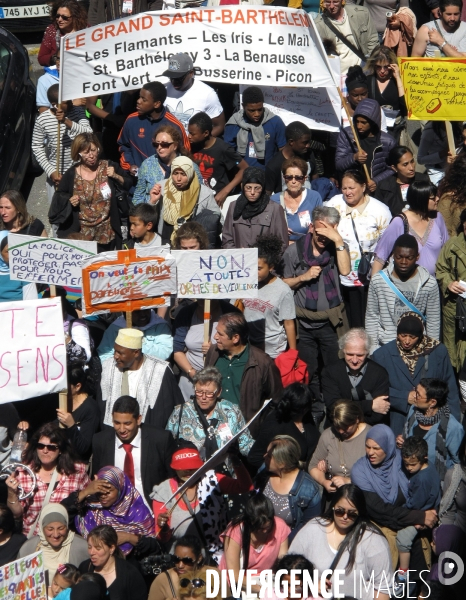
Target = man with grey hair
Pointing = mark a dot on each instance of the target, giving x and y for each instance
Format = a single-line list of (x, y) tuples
[(312, 269), (206, 420), (358, 378)]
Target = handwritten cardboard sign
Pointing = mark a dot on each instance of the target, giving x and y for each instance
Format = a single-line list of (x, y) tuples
[(435, 88), (24, 579), (48, 260), (128, 280), (211, 274), (33, 353)]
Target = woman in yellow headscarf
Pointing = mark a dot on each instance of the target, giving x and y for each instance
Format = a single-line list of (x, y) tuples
[(185, 199)]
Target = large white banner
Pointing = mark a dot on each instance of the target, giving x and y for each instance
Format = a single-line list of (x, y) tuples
[(212, 274), (48, 260), (33, 355), (260, 45), (318, 108), (24, 579)]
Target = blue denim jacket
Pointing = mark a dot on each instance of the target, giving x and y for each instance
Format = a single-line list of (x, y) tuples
[(305, 501)]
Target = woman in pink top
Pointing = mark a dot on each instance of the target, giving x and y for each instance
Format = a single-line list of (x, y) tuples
[(258, 536)]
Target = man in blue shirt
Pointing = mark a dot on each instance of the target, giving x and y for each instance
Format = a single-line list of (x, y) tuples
[(255, 132)]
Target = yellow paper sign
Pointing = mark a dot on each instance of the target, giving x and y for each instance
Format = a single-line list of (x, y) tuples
[(435, 88)]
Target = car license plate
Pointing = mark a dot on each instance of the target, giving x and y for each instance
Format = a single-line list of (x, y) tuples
[(21, 12)]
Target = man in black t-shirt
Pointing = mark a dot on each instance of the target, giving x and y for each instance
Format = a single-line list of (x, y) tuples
[(298, 144), (221, 166)]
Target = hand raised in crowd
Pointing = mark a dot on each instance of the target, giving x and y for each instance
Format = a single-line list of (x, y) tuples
[(155, 194), (74, 200), (55, 177), (431, 518), (331, 233), (205, 347), (412, 397), (65, 418), (395, 69), (360, 156), (436, 13), (393, 23), (13, 485), (451, 158), (97, 486), (60, 114), (133, 170), (79, 102), (456, 288), (24, 425), (435, 37), (381, 405), (400, 441)]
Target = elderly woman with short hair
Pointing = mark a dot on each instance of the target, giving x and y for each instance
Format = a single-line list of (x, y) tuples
[(357, 378), (208, 421)]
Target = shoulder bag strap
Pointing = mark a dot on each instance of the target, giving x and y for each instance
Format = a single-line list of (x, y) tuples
[(338, 555), (356, 236), (46, 501), (443, 37), (455, 268), (171, 585), (179, 422), (342, 38), (401, 296), (196, 523)]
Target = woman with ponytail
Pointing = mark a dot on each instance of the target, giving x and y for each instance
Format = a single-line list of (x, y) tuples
[(344, 538), (254, 539)]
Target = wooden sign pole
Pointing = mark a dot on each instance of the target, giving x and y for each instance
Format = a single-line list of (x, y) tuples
[(356, 139), (451, 139), (63, 402), (129, 319), (206, 321)]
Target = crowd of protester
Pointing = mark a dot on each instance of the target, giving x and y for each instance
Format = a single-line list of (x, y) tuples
[(357, 334)]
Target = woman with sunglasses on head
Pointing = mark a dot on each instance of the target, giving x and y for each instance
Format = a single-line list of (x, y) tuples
[(421, 220), (168, 144), (86, 199), (67, 16), (297, 201), (187, 559), (344, 538), (51, 457)]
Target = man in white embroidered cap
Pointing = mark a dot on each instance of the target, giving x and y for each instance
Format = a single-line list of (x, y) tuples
[(146, 378), (187, 96)]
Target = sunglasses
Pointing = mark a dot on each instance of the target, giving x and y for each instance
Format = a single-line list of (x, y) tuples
[(195, 583), (162, 144), (50, 447), (291, 177), (64, 17), (185, 560), (179, 80), (341, 512)]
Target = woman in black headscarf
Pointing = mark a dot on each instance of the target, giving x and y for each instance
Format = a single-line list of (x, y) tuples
[(253, 214)]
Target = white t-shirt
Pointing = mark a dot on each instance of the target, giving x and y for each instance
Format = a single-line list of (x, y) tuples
[(265, 315), (370, 225), (199, 98)]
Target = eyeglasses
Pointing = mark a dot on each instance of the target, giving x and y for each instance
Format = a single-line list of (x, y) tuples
[(206, 394), (186, 560), (195, 583), (380, 67), (162, 144), (291, 177), (50, 447), (64, 17), (339, 511)]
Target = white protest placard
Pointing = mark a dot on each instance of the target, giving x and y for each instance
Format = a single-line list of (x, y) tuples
[(318, 108), (253, 45), (24, 579), (33, 354), (214, 459), (212, 274), (128, 280), (48, 260)]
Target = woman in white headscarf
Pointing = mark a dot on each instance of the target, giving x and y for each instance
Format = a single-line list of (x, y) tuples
[(58, 544), (185, 199)]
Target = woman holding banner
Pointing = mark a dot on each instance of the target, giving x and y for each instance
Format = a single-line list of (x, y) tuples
[(90, 196)]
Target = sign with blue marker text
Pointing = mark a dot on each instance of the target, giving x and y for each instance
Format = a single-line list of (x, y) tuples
[(48, 260), (217, 274), (24, 579)]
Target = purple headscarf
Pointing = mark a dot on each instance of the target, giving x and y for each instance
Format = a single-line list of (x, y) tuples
[(129, 513), (386, 478), (447, 538)]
